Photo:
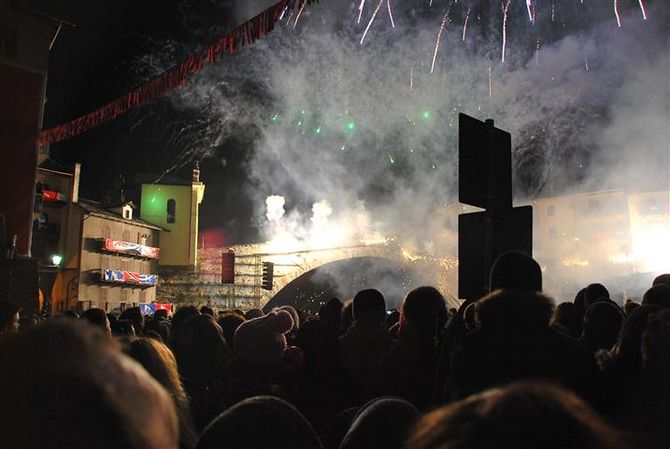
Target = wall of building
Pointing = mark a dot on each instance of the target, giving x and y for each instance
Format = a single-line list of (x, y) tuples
[(93, 261), (24, 59), (179, 245)]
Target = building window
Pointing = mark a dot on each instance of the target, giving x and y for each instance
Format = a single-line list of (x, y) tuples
[(551, 211), (171, 210)]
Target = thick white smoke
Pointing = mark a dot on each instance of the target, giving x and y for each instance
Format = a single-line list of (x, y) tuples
[(361, 140)]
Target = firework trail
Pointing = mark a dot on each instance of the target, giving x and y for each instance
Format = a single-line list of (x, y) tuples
[(505, 8), (437, 40), (465, 24), (553, 11), (616, 13), (372, 19), (537, 51), (411, 78), (283, 13), (490, 82), (586, 62), (360, 10), (531, 11), (302, 7), (388, 5), (644, 12)]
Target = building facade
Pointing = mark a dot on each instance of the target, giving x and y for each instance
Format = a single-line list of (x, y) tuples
[(173, 206), (113, 264)]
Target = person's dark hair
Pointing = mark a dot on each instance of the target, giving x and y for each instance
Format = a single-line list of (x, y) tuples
[(381, 423), (200, 349), (524, 415), (160, 314), (135, 315), (629, 306), (229, 323), (602, 323), (182, 314), (393, 319), (64, 384), (253, 313), (661, 279), (470, 316), (517, 271), (424, 309), (123, 328), (8, 310), (205, 310), (282, 426), (159, 361), (627, 352), (369, 306), (565, 319), (595, 292), (658, 295), (96, 317), (330, 312)]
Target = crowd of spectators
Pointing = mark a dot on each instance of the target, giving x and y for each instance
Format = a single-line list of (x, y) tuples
[(509, 370)]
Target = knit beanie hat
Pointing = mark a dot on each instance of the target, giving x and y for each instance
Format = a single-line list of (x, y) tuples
[(262, 340)]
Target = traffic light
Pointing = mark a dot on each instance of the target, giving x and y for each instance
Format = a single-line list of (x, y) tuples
[(228, 267), (268, 274)]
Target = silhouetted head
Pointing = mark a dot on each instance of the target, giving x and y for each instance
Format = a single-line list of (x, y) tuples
[(602, 323), (629, 306), (424, 310), (330, 312), (182, 314), (229, 322), (658, 295), (97, 317), (134, 314), (656, 342), (381, 423), (253, 313), (369, 306), (565, 317), (516, 271), (200, 349), (525, 415), (661, 279), (204, 310), (65, 384), (594, 293), (279, 425)]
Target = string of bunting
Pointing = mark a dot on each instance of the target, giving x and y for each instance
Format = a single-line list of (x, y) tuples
[(176, 76)]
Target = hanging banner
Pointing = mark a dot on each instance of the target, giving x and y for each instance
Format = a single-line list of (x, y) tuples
[(129, 277), (150, 308), (133, 249), (243, 35)]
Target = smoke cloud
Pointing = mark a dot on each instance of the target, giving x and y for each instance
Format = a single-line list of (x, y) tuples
[(360, 141)]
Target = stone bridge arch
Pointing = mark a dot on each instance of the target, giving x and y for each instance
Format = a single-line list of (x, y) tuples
[(291, 265)]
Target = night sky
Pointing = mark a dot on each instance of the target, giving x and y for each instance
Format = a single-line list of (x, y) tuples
[(116, 45), (102, 58)]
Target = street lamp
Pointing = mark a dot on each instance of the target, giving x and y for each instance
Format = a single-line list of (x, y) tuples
[(56, 259)]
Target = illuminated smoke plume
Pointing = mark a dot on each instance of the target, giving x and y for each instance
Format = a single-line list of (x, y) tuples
[(370, 135)]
